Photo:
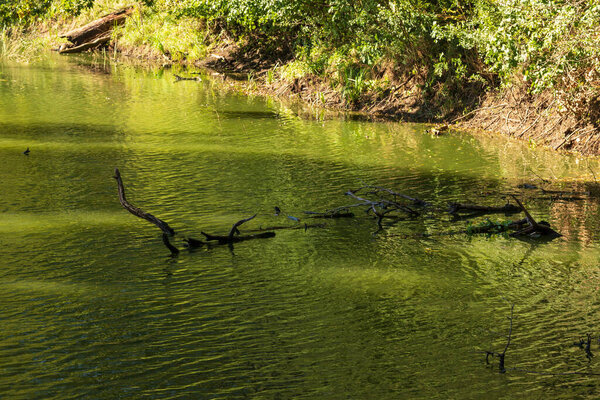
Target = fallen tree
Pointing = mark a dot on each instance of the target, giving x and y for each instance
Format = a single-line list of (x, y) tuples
[(94, 34), (380, 202), (233, 236)]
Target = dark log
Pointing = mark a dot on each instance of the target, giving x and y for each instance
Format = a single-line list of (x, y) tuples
[(383, 204), (534, 228), (183, 78), (93, 44), (138, 212), (506, 209), (95, 33), (234, 229), (235, 239), (231, 238)]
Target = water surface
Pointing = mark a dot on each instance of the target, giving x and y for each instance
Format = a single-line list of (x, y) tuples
[(93, 306)]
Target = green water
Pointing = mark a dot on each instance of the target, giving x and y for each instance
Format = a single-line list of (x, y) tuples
[(94, 307)]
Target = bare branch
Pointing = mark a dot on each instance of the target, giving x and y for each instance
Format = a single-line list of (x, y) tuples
[(138, 212)]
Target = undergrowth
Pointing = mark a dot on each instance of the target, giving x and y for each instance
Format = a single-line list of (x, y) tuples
[(451, 51)]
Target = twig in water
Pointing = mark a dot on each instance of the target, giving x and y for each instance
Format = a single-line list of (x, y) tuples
[(501, 356)]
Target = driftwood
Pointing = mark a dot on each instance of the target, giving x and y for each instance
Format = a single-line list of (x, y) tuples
[(95, 34), (385, 206), (227, 240), (506, 209), (281, 227), (193, 243), (231, 237), (534, 229), (138, 212)]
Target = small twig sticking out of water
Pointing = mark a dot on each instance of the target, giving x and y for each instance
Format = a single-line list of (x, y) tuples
[(501, 356), (586, 345)]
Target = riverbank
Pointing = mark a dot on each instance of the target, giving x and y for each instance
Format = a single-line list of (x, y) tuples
[(522, 69)]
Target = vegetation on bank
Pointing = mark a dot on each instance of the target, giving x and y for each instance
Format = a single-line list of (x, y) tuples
[(431, 59)]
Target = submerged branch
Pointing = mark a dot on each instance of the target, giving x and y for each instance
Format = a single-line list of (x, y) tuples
[(232, 238), (506, 209), (234, 229), (138, 212), (540, 229), (235, 239), (174, 250)]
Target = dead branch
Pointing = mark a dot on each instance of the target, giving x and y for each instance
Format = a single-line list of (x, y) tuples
[(501, 356), (183, 78), (193, 243), (534, 228), (174, 250), (340, 212), (138, 212), (280, 227), (382, 203), (506, 209), (228, 240), (234, 229), (231, 238)]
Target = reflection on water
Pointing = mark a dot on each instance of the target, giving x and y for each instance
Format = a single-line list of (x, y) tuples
[(94, 307)]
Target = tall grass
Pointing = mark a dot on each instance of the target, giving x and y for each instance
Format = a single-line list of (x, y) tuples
[(162, 36), (22, 46)]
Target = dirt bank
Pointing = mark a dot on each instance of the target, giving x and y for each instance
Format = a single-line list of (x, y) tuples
[(538, 119)]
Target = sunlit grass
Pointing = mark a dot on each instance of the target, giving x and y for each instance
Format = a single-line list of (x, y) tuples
[(22, 46), (146, 34), (162, 37)]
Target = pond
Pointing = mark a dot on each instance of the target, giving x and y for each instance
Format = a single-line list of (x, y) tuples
[(94, 306)]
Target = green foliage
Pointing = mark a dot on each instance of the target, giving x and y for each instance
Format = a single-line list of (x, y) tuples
[(488, 226), (22, 11), (70, 7), (25, 12)]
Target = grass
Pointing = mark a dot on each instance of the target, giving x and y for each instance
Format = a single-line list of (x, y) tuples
[(25, 45), (161, 36)]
